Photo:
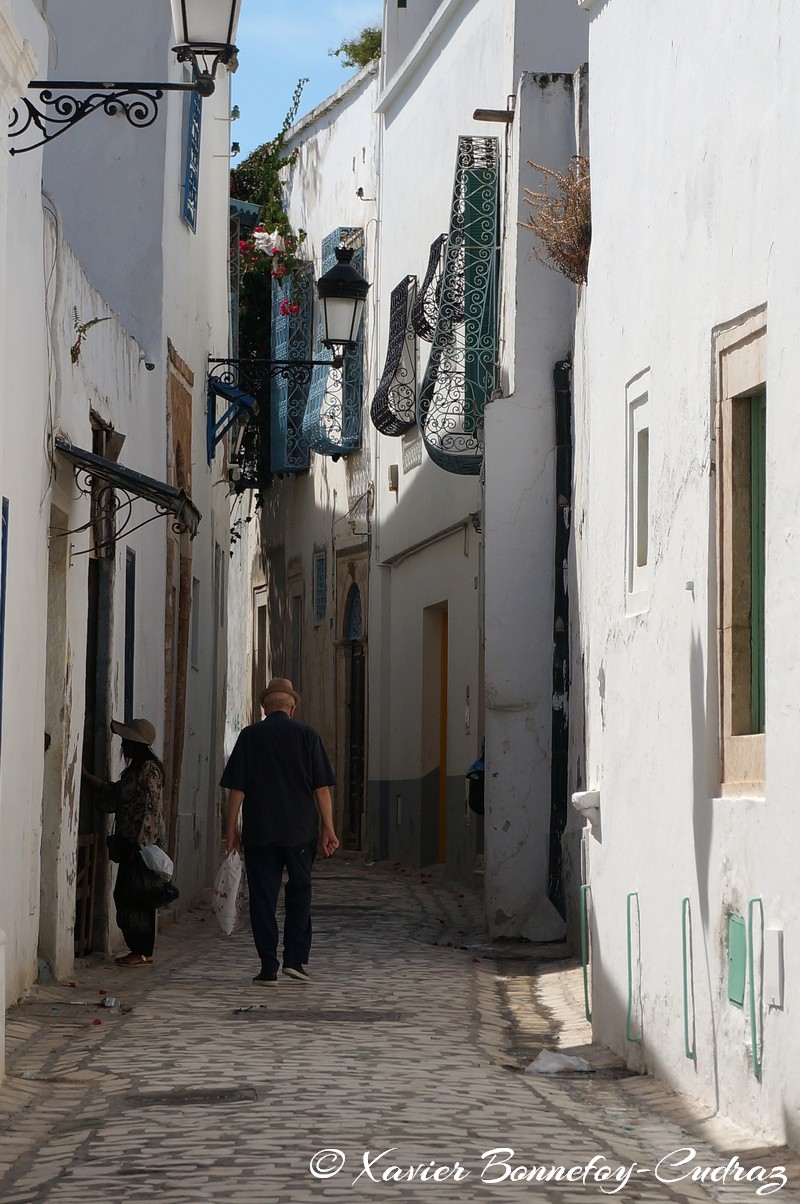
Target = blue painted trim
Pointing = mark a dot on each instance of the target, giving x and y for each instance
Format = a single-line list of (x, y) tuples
[(292, 338), (191, 169), (238, 400)]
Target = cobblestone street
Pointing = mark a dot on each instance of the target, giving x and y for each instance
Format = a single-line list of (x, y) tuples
[(412, 1036)]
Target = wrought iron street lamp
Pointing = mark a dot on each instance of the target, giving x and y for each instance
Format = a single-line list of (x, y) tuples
[(342, 292), (205, 30)]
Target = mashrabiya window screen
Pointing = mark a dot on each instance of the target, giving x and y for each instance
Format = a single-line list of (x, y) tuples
[(332, 423), (291, 339)]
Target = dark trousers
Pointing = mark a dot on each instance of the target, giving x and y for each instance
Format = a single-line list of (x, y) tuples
[(265, 865), (138, 924)]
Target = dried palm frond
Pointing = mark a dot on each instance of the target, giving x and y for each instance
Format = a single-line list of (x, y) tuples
[(562, 222)]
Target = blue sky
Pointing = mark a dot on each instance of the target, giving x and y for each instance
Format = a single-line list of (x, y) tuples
[(281, 41)]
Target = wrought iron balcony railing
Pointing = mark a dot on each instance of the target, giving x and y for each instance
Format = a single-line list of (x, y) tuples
[(426, 303), (394, 406), (462, 369)]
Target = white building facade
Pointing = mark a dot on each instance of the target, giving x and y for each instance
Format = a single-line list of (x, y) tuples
[(407, 579), (684, 581), (463, 562), (108, 611)]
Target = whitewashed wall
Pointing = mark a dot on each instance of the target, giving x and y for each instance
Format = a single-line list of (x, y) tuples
[(433, 77), (692, 128), (23, 44), (109, 379), (520, 514), (118, 199), (468, 56), (120, 190)]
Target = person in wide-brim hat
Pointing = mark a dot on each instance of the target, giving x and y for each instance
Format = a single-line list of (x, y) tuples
[(138, 731), (135, 801), (280, 685)]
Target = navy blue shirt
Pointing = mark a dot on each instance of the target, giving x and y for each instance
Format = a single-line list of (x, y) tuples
[(278, 764)]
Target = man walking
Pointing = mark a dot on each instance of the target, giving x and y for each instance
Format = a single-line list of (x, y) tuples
[(278, 775)]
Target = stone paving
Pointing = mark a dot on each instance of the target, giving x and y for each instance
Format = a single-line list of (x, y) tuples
[(411, 1038)]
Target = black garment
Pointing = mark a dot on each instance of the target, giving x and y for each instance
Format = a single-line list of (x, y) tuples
[(265, 865), (278, 764), (138, 923)]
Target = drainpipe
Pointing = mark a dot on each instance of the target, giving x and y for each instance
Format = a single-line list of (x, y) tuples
[(181, 670), (559, 749)]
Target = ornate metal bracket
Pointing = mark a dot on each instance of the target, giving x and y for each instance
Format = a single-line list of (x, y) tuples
[(239, 381), (55, 110), (253, 374), (241, 406), (102, 480), (394, 406)]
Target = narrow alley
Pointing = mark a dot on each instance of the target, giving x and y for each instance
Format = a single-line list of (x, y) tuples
[(406, 1050)]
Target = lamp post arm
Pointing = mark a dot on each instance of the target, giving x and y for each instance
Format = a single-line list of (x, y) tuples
[(57, 109)]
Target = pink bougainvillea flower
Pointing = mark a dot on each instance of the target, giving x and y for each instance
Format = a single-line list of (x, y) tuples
[(294, 310), (284, 308)]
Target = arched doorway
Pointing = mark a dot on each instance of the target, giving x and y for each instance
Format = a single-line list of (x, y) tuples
[(356, 712)]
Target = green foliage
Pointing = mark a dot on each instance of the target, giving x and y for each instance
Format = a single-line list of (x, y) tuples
[(257, 180), (360, 50)]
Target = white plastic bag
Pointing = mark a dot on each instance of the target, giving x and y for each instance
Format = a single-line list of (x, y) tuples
[(550, 1062), (227, 890), (157, 860)]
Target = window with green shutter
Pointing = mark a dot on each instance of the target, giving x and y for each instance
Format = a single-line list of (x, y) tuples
[(758, 473), (739, 448)]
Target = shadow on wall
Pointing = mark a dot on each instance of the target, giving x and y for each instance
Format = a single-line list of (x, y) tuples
[(703, 708), (272, 564)]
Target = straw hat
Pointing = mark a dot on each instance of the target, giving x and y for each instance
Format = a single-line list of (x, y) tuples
[(280, 685), (140, 731)]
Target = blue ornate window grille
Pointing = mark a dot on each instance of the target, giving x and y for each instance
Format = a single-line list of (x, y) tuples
[(291, 340), (320, 586), (394, 406), (191, 170), (462, 368), (332, 424)]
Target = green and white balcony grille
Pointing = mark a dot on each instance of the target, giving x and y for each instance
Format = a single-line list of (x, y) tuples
[(462, 369), (394, 406), (332, 423), (291, 339)]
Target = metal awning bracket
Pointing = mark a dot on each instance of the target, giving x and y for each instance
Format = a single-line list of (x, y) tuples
[(241, 405)]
